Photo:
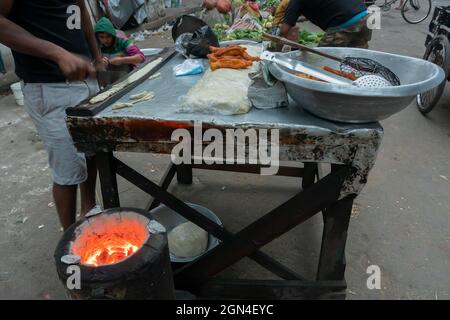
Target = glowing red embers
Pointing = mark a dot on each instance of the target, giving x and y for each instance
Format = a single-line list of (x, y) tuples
[(108, 239)]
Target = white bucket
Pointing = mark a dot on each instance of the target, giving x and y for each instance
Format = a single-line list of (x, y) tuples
[(18, 94)]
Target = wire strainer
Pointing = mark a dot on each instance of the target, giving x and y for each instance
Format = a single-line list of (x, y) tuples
[(359, 66)]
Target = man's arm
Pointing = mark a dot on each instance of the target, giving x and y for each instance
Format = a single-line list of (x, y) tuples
[(20, 40), (290, 17), (86, 25)]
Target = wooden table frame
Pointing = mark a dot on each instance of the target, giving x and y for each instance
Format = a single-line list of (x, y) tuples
[(319, 195)]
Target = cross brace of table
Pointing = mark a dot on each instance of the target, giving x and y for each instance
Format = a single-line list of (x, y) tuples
[(321, 196)]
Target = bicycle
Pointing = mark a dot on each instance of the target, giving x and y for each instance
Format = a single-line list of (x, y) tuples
[(437, 51), (413, 11)]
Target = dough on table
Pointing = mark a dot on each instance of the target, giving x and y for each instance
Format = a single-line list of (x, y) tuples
[(119, 86), (223, 91), (121, 105), (188, 240)]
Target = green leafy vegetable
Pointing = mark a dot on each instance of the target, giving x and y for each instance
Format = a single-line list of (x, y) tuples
[(270, 3), (220, 31), (250, 34), (310, 38), (245, 34)]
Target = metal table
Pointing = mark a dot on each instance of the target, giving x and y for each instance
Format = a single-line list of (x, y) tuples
[(147, 127)]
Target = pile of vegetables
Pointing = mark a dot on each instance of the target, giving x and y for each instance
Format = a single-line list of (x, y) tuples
[(268, 22), (251, 27), (270, 3), (245, 34), (310, 38), (250, 34), (244, 30), (220, 31)]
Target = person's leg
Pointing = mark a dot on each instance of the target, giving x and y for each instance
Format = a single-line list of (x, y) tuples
[(42, 104), (46, 104), (66, 204), (87, 188), (356, 36), (334, 38), (360, 35)]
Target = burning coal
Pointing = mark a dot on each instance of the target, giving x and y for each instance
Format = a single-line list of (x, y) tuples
[(109, 239)]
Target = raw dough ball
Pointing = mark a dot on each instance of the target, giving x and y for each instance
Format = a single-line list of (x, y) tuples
[(187, 240)]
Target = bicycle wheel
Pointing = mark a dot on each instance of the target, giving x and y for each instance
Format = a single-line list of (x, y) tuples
[(415, 11), (438, 52), (378, 3), (384, 5)]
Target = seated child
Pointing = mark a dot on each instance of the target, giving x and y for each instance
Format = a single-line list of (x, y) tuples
[(118, 52)]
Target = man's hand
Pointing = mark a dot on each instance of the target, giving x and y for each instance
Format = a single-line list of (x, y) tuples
[(101, 64), (74, 67), (116, 61)]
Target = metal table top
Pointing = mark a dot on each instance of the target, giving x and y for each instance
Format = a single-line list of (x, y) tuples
[(169, 89), (147, 127)]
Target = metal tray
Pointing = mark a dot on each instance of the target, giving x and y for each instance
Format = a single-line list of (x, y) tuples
[(358, 105)]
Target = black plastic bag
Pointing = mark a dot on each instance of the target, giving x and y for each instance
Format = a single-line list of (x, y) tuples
[(186, 24), (201, 40), (196, 44), (193, 36)]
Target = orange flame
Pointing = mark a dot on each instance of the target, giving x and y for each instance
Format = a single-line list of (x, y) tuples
[(109, 239)]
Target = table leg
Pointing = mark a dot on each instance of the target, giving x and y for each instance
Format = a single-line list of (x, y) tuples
[(184, 174), (309, 174), (108, 181), (332, 253)]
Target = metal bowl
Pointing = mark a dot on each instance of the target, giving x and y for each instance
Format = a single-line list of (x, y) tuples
[(148, 52), (353, 104), (170, 220)]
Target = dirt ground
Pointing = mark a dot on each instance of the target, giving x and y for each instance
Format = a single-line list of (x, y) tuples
[(400, 223)]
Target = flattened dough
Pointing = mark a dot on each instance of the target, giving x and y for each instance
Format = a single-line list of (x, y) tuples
[(139, 95), (119, 86), (121, 105), (143, 97), (155, 76)]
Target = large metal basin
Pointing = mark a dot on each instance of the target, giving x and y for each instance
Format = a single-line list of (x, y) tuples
[(353, 104)]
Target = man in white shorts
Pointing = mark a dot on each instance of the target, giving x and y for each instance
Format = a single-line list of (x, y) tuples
[(54, 61)]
